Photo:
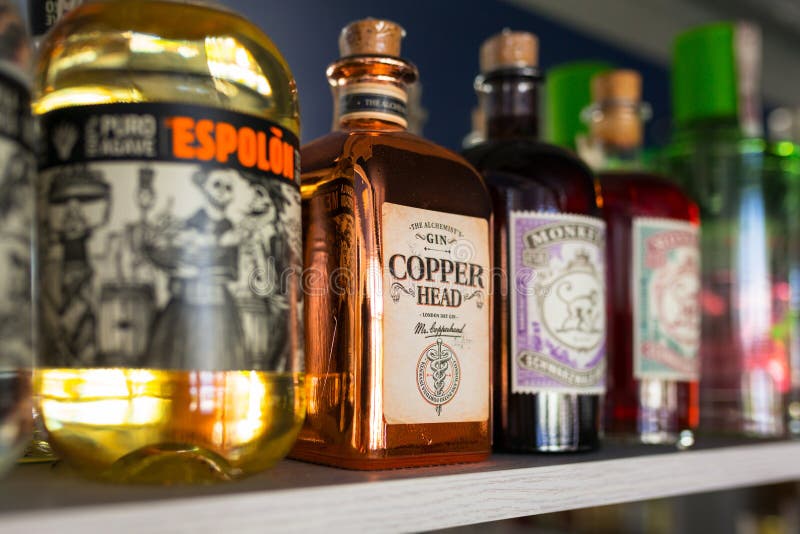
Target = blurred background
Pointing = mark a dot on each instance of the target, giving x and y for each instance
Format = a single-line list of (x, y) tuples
[(443, 39)]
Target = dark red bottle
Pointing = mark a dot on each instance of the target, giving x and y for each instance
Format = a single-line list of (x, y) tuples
[(653, 275), (548, 358)]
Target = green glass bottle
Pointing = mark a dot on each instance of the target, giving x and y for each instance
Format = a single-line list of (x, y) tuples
[(718, 154), (567, 94)]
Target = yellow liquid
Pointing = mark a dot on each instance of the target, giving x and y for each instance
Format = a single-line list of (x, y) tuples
[(147, 425), (144, 425)]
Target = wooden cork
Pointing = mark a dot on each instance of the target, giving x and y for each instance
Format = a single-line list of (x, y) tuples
[(509, 49), (618, 93), (371, 37), (618, 84)]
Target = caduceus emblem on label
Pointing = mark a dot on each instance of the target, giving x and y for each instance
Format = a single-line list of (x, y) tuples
[(438, 374)]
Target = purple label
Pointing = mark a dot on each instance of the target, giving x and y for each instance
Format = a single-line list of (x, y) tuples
[(558, 324)]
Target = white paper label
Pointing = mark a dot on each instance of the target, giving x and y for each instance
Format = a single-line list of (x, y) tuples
[(436, 328)]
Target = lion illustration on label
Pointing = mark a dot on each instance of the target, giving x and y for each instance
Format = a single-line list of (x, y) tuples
[(572, 307)]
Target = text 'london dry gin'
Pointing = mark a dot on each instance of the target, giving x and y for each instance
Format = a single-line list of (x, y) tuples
[(17, 168), (653, 274), (169, 216), (549, 247), (397, 277)]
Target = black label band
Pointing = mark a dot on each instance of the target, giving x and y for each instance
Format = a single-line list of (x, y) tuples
[(45, 13), (170, 133), (372, 102)]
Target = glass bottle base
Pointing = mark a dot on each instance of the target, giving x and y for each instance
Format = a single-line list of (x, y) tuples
[(171, 427)]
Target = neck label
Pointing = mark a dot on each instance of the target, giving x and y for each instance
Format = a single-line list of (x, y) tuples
[(374, 101)]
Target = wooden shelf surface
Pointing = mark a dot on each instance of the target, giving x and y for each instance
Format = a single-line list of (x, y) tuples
[(295, 496)]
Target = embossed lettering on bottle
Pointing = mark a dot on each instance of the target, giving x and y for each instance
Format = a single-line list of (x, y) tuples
[(557, 298), (666, 292), (435, 316)]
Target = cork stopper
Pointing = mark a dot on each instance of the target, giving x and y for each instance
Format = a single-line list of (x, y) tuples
[(621, 84), (509, 49), (618, 93), (371, 37)]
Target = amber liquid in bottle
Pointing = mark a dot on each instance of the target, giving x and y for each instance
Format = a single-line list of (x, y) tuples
[(526, 175), (349, 179), (122, 393)]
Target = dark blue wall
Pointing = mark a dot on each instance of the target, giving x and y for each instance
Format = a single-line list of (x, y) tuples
[(443, 38)]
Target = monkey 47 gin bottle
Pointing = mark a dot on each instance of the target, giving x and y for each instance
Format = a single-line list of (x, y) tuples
[(169, 216), (549, 246), (397, 265)]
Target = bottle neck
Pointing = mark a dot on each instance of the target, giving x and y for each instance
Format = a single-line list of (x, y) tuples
[(616, 132), (370, 93), (509, 100)]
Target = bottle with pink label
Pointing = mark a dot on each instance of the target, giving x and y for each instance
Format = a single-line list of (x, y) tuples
[(653, 274), (549, 249)]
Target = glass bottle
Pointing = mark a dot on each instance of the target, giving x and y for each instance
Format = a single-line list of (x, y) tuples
[(169, 216), (397, 277), (653, 274), (717, 155), (549, 248), (17, 169), (782, 178)]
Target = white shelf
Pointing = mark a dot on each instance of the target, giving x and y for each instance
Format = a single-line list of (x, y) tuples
[(302, 497)]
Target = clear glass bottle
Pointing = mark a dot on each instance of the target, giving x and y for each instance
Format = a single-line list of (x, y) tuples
[(652, 275), (17, 170), (169, 216), (549, 248), (717, 155), (782, 178), (397, 267)]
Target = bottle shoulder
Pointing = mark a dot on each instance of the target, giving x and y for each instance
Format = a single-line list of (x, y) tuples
[(396, 167), (644, 194), (530, 175), (164, 51)]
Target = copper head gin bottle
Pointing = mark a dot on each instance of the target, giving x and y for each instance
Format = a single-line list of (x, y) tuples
[(549, 247), (397, 277), (652, 275), (17, 167), (169, 215)]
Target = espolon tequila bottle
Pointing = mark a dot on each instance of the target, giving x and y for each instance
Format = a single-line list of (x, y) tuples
[(169, 216), (549, 250), (397, 267), (718, 156), (17, 168), (652, 275)]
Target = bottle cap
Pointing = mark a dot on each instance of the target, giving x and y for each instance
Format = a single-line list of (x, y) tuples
[(567, 93), (618, 118), (617, 85), (371, 37), (509, 49), (704, 73)]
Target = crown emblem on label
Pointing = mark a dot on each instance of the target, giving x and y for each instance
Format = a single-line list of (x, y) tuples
[(65, 136), (581, 263)]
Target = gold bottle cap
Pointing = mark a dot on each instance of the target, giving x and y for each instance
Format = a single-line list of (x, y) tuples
[(618, 94), (371, 37), (509, 49), (621, 84)]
